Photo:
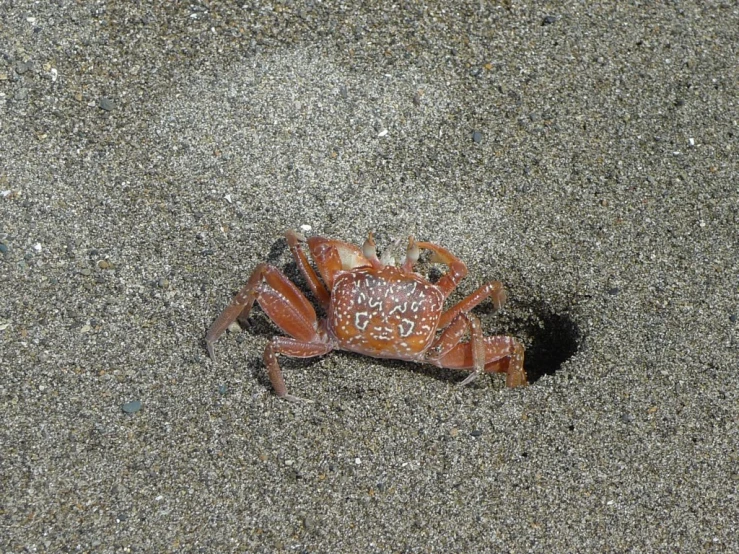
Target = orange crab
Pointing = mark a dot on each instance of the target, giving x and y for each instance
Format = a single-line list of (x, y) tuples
[(374, 307)]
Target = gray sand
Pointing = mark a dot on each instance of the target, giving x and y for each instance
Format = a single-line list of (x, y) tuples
[(151, 156)]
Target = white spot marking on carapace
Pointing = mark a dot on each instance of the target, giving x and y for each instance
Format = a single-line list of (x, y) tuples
[(375, 303), (361, 319), (415, 306), (361, 298), (406, 328), (398, 308)]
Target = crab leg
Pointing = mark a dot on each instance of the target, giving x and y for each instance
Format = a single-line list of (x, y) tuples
[(493, 289), (330, 256), (457, 269), (280, 299), (451, 337), (502, 355), (294, 349)]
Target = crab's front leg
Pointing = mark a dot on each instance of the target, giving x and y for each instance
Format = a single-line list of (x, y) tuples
[(281, 300), (457, 270), (240, 306), (294, 240), (331, 256)]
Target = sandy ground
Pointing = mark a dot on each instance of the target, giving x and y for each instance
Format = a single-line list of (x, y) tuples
[(152, 153)]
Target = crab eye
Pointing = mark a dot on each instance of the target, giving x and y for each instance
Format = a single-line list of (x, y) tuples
[(368, 248), (413, 252)]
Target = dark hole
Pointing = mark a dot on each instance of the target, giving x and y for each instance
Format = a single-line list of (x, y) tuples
[(554, 340), (550, 337)]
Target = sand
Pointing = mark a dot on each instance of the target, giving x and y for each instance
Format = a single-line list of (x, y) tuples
[(151, 154)]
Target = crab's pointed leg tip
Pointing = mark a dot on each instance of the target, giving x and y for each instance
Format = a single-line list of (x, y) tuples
[(499, 300), (471, 377), (517, 380), (211, 350), (296, 235), (296, 399)]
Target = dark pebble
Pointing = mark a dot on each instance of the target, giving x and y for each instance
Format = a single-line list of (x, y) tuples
[(476, 432), (477, 137), (613, 291), (548, 20), (223, 389), (132, 407), (3, 248), (106, 104)]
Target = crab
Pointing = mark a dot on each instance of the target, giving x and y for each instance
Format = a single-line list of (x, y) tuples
[(373, 307)]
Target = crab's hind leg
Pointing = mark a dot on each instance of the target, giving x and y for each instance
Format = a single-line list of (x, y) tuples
[(502, 355), (452, 336)]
